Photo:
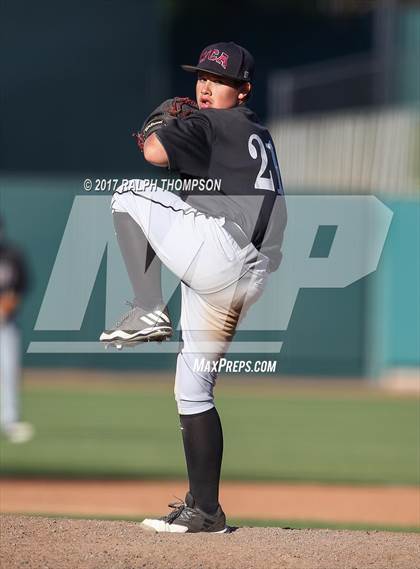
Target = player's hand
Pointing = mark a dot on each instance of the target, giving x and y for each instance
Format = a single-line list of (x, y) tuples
[(176, 108)]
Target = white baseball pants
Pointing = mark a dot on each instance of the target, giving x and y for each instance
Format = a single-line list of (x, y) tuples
[(219, 281)]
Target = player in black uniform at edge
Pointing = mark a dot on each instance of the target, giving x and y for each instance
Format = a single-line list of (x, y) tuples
[(222, 140)]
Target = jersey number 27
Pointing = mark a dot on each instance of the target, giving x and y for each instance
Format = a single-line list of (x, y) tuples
[(261, 181)]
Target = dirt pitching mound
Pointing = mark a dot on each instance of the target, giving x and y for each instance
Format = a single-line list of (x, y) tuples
[(36, 542)]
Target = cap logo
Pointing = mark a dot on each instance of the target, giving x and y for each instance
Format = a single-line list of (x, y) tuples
[(216, 56)]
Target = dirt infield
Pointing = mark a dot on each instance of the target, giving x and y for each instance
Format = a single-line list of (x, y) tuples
[(371, 505), (36, 543)]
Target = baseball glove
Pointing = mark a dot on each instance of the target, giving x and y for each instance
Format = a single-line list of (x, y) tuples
[(176, 108)]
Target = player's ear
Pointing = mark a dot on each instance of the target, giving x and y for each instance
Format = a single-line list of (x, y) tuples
[(244, 91)]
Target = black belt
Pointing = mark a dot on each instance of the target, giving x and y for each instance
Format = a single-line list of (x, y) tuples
[(237, 233)]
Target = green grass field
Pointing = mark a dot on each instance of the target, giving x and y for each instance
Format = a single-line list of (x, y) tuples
[(132, 431)]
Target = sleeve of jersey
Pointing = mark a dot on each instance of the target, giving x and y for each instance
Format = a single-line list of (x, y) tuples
[(187, 143), (22, 276), (20, 283), (273, 239)]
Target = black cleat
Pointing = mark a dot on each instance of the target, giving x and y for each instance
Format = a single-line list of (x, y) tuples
[(186, 518), (139, 325)]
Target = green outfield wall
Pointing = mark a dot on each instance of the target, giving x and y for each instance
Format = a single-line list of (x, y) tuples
[(354, 331)]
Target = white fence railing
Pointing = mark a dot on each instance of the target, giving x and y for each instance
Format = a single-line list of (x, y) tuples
[(353, 152), (348, 82)]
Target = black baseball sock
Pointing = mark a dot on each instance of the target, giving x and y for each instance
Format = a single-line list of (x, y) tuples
[(203, 445), (145, 276)]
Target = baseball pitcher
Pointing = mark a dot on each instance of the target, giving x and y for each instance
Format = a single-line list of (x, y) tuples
[(222, 245)]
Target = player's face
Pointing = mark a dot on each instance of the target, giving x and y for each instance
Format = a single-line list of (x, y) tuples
[(214, 92)]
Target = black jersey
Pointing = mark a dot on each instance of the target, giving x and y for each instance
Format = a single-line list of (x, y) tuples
[(13, 276), (231, 146)]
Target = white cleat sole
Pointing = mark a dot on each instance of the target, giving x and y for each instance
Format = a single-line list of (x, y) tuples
[(119, 345), (20, 432), (121, 337), (160, 526)]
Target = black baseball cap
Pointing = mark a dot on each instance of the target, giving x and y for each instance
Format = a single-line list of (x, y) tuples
[(226, 59)]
